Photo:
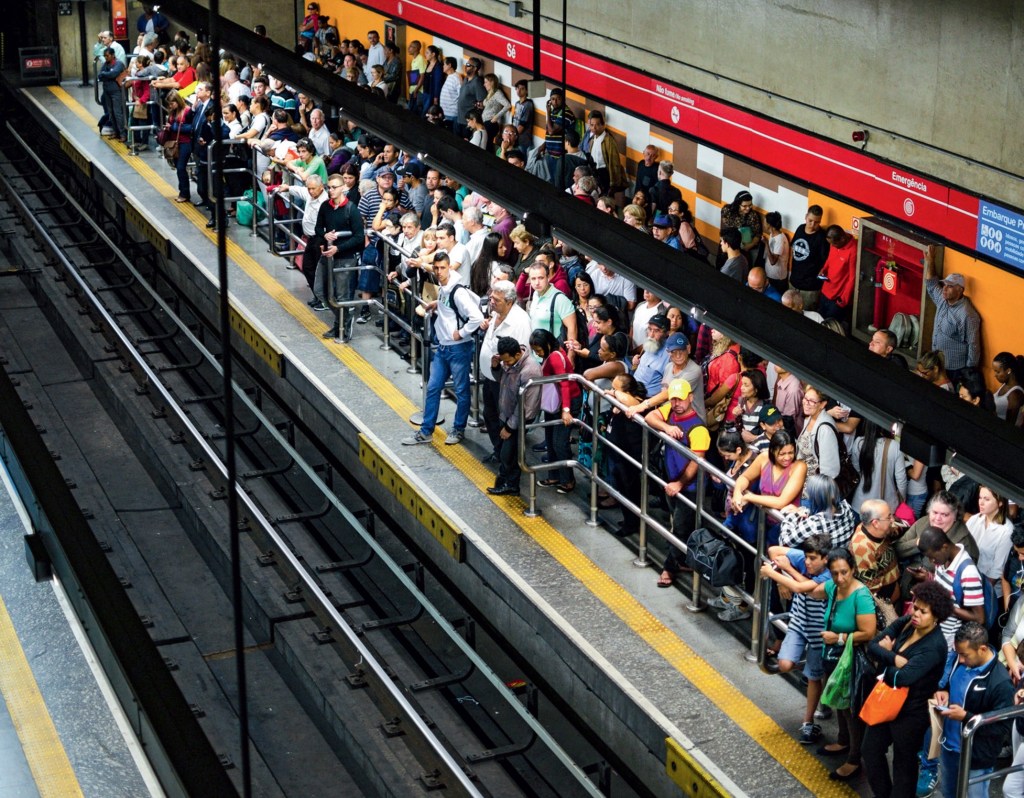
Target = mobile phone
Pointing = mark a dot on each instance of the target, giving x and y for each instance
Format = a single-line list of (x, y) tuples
[(940, 708)]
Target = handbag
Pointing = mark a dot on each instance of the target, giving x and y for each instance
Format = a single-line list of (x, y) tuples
[(549, 399), (832, 652), (883, 703), (163, 135)]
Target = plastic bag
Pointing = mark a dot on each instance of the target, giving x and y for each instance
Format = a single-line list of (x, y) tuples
[(837, 691)]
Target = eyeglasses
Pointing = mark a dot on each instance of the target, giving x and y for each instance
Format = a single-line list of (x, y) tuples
[(811, 401), (334, 185)]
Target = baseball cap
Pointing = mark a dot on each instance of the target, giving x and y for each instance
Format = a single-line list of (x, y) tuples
[(661, 220), (770, 414), (384, 170), (679, 389), (659, 320), (412, 169), (676, 341), (954, 279)]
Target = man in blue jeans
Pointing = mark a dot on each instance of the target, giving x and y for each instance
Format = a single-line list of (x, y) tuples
[(457, 317), (977, 683)]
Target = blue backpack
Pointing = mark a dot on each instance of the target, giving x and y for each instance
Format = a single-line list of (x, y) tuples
[(988, 591)]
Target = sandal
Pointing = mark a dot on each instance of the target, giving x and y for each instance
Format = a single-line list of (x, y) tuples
[(607, 503), (548, 483), (181, 199), (662, 579)]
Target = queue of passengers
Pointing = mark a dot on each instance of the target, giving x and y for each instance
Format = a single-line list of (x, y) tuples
[(916, 570)]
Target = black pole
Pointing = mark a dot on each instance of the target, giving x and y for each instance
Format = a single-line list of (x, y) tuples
[(536, 40), (565, 100), (83, 43), (215, 149)]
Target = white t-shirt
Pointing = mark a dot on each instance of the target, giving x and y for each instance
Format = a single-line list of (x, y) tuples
[(993, 546), (642, 313), (779, 245)]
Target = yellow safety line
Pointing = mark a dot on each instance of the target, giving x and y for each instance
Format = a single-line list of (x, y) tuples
[(740, 709), (43, 749)]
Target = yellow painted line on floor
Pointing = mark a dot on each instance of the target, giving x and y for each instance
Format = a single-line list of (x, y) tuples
[(741, 710), (43, 749)]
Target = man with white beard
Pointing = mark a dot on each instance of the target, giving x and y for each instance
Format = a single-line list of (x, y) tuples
[(649, 367)]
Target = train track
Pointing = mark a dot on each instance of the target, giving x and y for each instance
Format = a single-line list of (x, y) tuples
[(393, 689)]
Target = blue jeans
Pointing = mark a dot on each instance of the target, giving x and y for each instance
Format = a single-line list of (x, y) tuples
[(455, 361), (184, 155), (949, 769)]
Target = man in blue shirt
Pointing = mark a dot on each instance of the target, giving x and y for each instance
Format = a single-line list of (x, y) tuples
[(977, 684), (650, 365)]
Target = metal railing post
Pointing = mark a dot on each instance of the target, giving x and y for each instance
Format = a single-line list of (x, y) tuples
[(761, 609), (595, 409), (641, 560), (531, 474), (696, 603)]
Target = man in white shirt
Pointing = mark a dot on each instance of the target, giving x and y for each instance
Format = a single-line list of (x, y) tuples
[(318, 133), (507, 318), (456, 252), (643, 313), (313, 195), (234, 86), (374, 53), (473, 221)]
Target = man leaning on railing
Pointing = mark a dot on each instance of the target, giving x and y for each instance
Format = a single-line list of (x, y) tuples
[(677, 419)]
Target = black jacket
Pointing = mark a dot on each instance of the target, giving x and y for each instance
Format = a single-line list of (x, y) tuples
[(926, 660), (992, 689)]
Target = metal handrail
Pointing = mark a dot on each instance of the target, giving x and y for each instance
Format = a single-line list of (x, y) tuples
[(761, 596), (963, 776), (129, 107)]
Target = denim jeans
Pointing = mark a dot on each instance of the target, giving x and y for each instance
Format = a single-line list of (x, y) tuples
[(455, 361), (949, 769)]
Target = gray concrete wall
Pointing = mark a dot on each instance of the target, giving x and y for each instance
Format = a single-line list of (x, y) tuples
[(939, 84)]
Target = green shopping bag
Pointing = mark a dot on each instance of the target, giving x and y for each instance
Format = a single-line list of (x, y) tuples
[(837, 690)]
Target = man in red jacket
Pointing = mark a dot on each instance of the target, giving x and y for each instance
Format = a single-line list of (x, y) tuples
[(839, 274)]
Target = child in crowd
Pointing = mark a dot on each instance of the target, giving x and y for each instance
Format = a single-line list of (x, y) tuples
[(798, 572)]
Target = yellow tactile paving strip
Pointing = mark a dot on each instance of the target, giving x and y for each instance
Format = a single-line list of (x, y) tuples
[(741, 710), (43, 750)]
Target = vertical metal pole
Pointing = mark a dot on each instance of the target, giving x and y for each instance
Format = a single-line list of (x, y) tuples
[(595, 408), (565, 99), (83, 42), (645, 457), (763, 594), (696, 604), (229, 431)]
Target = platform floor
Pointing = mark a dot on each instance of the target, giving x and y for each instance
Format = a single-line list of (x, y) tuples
[(689, 668), (59, 735)]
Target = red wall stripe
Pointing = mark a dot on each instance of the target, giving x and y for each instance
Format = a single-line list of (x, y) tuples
[(919, 201)]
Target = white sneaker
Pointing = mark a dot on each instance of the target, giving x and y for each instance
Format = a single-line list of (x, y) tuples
[(415, 440), (719, 602), (454, 437), (733, 613)]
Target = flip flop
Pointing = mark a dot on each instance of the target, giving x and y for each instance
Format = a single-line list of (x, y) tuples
[(662, 583)]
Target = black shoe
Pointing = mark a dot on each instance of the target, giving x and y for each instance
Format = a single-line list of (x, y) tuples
[(330, 334), (319, 306), (539, 447), (503, 490), (624, 532), (490, 458), (210, 225)]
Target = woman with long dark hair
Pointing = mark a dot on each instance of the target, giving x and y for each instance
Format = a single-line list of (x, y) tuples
[(560, 409), (179, 120), (743, 216), (877, 457), (488, 265)]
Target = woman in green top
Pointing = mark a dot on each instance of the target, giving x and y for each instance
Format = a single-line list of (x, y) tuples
[(308, 162), (853, 614)]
